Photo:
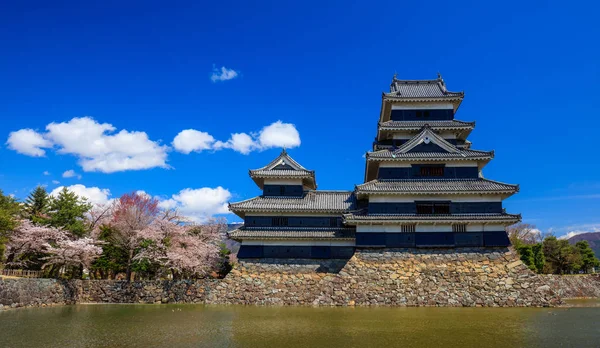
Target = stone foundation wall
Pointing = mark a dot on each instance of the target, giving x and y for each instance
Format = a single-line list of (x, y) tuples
[(112, 291), (574, 286), (25, 292), (391, 277)]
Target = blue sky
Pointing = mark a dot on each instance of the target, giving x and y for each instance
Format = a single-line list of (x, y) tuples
[(529, 70)]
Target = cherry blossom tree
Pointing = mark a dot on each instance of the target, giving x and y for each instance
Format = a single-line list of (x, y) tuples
[(163, 237), (186, 250), (30, 241), (99, 215), (53, 247), (132, 216), (76, 254)]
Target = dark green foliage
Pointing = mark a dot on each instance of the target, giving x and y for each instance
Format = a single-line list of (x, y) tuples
[(113, 259), (10, 210), (224, 266), (588, 259), (37, 205), (67, 211), (561, 257), (539, 259), (527, 256)]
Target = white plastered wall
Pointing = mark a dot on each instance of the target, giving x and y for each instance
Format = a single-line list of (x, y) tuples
[(283, 181)]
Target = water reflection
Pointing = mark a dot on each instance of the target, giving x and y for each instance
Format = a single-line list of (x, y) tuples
[(236, 326)]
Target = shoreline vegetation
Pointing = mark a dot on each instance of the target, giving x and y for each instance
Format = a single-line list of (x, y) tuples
[(131, 238), (546, 254)]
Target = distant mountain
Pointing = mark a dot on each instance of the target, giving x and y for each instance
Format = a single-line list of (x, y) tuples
[(232, 244), (592, 237), (233, 226)]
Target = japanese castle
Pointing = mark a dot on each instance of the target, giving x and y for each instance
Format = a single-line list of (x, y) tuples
[(423, 188)]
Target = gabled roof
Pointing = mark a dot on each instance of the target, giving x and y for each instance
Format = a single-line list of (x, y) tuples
[(295, 233), (284, 167), (363, 218), (427, 136), (421, 89), (435, 186), (312, 201)]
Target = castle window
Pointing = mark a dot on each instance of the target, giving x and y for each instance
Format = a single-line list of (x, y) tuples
[(426, 113), (433, 208), (280, 221), (333, 222), (459, 228), (432, 171), (419, 113), (281, 190), (408, 228)]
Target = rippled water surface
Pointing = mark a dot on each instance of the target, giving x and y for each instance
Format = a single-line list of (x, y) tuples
[(236, 326)]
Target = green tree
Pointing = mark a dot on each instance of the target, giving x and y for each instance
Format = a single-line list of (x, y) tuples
[(561, 257), (37, 205), (588, 259), (10, 210), (224, 266), (538, 257), (527, 256), (113, 259), (67, 211)]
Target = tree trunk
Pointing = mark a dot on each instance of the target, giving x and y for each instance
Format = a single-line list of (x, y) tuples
[(128, 272)]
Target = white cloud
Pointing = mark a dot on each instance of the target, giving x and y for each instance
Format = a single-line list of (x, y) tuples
[(192, 140), (143, 194), (94, 195), (55, 182), (28, 142), (240, 142), (46, 172), (96, 145), (199, 204), (571, 234), (579, 229), (277, 134), (223, 74), (71, 174)]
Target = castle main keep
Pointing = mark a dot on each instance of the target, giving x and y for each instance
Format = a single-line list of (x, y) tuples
[(423, 188)]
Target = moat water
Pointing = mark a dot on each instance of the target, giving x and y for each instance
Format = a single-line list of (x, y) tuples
[(238, 326)]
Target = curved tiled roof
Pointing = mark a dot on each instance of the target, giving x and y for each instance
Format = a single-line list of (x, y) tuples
[(311, 201), (427, 135), (286, 173), (421, 89), (433, 156), (292, 233), (406, 218), (284, 166), (443, 186), (436, 125)]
